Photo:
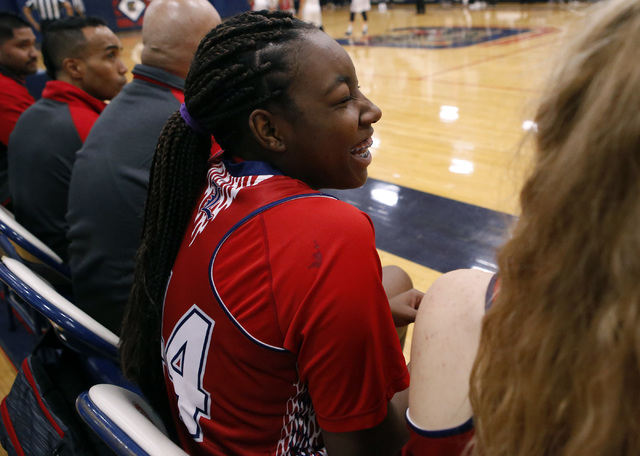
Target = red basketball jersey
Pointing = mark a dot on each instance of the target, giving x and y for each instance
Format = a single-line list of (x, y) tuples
[(275, 320)]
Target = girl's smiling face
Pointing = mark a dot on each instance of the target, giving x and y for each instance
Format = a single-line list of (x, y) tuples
[(326, 140)]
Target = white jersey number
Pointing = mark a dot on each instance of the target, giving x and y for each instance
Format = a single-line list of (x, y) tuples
[(185, 357)]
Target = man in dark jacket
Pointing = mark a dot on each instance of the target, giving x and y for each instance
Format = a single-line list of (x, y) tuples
[(111, 174), (82, 56)]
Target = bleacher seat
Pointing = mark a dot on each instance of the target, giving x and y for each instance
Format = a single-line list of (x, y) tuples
[(125, 422), (74, 327), (20, 244)]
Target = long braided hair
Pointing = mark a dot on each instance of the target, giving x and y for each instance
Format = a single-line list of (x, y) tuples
[(243, 64)]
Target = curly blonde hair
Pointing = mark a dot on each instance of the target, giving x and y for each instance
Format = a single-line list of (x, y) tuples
[(558, 368)]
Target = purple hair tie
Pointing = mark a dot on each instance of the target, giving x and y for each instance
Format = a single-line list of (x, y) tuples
[(193, 123)]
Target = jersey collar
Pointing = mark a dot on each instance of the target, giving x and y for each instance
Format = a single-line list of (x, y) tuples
[(250, 168)]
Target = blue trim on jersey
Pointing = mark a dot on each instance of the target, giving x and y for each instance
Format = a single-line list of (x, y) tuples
[(223, 240), (464, 427), (250, 168)]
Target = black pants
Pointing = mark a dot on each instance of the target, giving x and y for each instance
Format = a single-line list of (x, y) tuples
[(352, 16), (45, 22), (420, 9)]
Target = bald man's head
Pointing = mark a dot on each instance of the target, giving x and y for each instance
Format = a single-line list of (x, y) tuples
[(172, 30)]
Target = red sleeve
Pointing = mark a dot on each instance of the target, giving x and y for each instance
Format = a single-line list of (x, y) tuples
[(15, 100), (448, 442), (348, 350)]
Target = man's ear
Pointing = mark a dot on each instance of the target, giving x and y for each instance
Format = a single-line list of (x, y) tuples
[(74, 67), (264, 128)]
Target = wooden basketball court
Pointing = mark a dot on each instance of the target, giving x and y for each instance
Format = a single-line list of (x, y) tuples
[(457, 89)]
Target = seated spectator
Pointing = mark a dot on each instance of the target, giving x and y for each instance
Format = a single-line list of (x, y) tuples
[(82, 56), (548, 362), (18, 59), (110, 177), (265, 296)]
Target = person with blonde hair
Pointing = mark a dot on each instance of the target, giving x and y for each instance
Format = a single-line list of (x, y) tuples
[(552, 366)]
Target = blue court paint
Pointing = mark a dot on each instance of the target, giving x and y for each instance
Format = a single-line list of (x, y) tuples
[(436, 232), (442, 37)]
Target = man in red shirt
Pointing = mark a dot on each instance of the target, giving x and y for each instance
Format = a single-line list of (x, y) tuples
[(82, 56), (18, 59)]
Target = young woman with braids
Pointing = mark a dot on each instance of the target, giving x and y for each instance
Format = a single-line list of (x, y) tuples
[(553, 367), (262, 298)]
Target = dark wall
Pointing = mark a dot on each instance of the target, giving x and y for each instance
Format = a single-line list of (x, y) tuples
[(8, 5), (228, 8)]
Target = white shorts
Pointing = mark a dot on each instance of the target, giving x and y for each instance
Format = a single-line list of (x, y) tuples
[(360, 6), (259, 5), (312, 13)]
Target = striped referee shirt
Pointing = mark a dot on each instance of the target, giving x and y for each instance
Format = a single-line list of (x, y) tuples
[(48, 9), (78, 6)]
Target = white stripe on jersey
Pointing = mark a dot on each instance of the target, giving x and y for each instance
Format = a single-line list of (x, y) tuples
[(220, 193), (48, 9)]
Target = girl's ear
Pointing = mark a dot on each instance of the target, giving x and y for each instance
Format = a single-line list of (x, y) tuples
[(263, 126)]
